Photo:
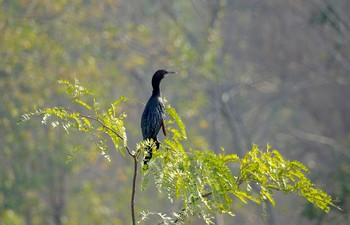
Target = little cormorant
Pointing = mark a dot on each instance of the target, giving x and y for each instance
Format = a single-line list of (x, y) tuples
[(154, 113)]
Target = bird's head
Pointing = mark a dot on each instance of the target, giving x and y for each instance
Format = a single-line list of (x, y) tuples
[(158, 76)]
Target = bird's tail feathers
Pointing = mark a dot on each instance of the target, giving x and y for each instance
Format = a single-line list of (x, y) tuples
[(148, 156), (148, 152)]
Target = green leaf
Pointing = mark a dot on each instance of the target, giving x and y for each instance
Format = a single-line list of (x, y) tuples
[(81, 102), (172, 112)]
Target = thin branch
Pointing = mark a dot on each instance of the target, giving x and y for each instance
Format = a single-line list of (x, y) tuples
[(179, 217), (133, 191), (135, 165), (319, 139), (105, 126), (133, 155), (206, 195)]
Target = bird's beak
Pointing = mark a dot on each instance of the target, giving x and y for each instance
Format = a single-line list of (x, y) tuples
[(171, 72)]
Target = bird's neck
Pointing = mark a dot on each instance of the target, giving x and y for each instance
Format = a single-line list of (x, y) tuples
[(156, 89), (156, 92)]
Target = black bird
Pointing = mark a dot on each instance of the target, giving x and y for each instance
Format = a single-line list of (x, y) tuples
[(153, 115)]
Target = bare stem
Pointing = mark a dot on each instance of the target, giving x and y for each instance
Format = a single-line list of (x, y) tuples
[(133, 155), (133, 191)]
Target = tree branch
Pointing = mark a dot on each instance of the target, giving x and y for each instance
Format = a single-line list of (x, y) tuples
[(133, 190), (105, 126), (319, 139), (133, 155), (181, 213)]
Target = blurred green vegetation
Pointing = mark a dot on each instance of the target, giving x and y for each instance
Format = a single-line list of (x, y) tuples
[(251, 72)]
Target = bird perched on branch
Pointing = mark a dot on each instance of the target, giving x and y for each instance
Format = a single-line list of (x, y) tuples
[(153, 115)]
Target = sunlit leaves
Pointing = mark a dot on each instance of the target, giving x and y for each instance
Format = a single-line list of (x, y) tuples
[(114, 127), (181, 133), (205, 181), (76, 91), (203, 178), (97, 123), (272, 172)]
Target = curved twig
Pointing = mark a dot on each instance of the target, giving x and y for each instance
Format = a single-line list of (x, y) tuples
[(133, 155), (105, 126)]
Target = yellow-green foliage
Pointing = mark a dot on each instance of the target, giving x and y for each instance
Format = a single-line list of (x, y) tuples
[(205, 181)]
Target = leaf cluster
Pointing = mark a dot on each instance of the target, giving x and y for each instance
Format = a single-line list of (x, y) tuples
[(100, 124), (205, 182)]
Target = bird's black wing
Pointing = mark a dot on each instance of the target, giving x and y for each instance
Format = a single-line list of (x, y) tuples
[(152, 119)]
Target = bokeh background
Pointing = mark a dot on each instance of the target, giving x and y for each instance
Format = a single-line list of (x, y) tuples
[(250, 71)]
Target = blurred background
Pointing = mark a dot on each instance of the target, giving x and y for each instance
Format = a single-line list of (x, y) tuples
[(266, 72)]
